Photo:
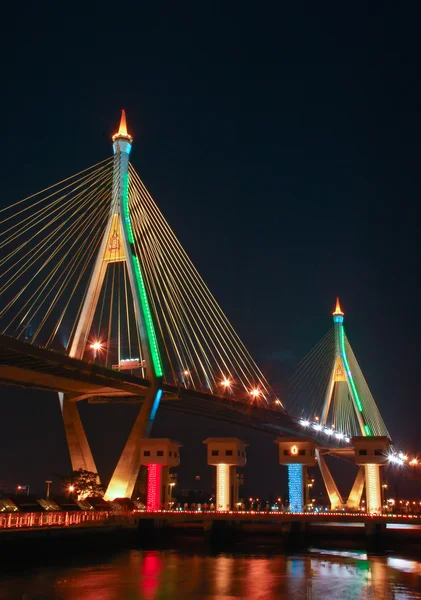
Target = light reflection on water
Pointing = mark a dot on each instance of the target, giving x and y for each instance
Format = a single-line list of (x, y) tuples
[(159, 575)]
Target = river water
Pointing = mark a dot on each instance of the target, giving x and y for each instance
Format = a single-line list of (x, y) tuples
[(162, 575)]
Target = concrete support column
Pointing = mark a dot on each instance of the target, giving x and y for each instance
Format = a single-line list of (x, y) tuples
[(335, 498), (158, 454), (371, 453), (153, 493), (296, 487), (226, 454), (373, 488), (297, 454), (77, 442), (354, 498), (124, 478), (223, 487)]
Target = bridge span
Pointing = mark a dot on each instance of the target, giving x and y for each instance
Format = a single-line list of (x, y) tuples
[(33, 367)]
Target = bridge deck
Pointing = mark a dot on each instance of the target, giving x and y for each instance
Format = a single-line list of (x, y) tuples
[(33, 367)]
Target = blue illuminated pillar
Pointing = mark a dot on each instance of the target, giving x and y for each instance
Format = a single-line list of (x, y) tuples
[(295, 487)]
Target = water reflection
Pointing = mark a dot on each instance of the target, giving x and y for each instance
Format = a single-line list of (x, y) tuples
[(159, 575)]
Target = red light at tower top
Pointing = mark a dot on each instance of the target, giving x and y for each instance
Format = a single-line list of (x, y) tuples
[(153, 501)]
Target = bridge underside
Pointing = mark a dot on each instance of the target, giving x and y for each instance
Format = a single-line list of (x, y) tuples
[(25, 365)]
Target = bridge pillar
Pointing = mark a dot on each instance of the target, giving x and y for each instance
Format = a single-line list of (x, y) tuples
[(371, 453), (335, 498), (158, 454), (354, 498), (226, 454), (77, 442), (125, 474), (297, 454)]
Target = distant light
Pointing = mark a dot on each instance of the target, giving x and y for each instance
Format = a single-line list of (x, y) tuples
[(305, 423), (226, 383), (255, 393), (186, 373), (339, 435), (277, 401), (395, 459), (71, 488), (96, 346), (328, 431), (317, 427), (413, 462)]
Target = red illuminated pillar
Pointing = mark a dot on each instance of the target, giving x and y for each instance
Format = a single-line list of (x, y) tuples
[(153, 498)]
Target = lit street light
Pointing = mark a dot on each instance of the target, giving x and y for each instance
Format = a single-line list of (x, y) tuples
[(96, 347), (48, 482)]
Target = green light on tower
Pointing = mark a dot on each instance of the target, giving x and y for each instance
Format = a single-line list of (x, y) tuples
[(153, 343)]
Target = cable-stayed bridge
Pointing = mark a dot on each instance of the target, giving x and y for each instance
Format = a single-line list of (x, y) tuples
[(100, 301)]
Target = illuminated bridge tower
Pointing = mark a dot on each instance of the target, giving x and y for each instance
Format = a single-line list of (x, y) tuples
[(349, 406), (118, 245)]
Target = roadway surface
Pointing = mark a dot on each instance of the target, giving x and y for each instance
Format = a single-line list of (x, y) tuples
[(29, 366)]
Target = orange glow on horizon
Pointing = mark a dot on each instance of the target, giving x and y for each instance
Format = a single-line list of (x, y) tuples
[(338, 310)]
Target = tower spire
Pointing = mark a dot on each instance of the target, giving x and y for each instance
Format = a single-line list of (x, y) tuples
[(338, 310), (122, 130)]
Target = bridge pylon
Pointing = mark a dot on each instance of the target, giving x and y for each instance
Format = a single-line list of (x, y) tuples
[(117, 245), (348, 400)]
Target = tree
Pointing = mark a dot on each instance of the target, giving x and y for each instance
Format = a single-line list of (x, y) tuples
[(84, 483)]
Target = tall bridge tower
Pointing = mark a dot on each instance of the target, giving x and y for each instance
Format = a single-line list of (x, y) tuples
[(118, 245)]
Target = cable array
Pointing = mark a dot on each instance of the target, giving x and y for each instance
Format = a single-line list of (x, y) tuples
[(201, 349), (312, 384), (371, 413), (47, 242), (310, 380)]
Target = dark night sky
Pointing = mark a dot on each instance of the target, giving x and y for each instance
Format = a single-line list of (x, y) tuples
[(283, 147)]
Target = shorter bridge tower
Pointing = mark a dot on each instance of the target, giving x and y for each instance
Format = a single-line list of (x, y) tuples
[(226, 454), (297, 454), (350, 411), (158, 455)]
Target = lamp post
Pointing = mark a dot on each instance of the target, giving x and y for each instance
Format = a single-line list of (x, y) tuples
[(48, 482), (170, 503), (96, 347)]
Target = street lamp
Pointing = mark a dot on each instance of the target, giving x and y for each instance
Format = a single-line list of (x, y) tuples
[(48, 482), (96, 347)]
